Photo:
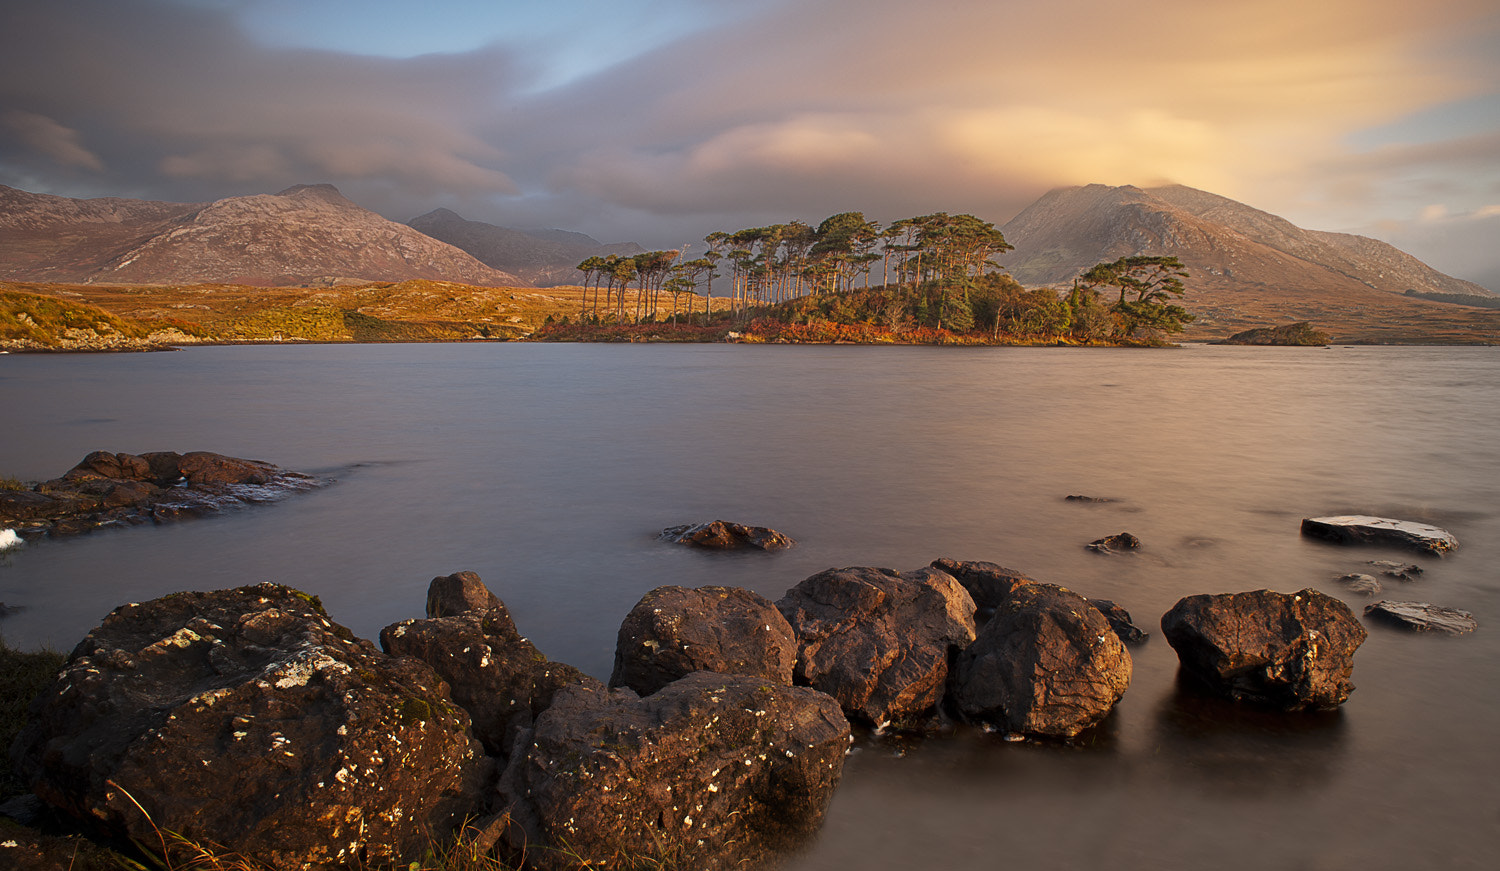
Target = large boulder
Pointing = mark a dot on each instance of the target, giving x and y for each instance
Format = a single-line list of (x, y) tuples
[(879, 640), (1047, 664), (1292, 651), (712, 771), (988, 584), (675, 631), (247, 719), (1365, 529), (722, 535), (495, 674)]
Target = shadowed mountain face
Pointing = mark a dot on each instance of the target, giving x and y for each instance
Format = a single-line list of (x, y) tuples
[(543, 257), (1227, 246), (308, 234)]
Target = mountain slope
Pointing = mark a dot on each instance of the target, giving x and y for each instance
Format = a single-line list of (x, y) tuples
[(543, 257), (305, 234)]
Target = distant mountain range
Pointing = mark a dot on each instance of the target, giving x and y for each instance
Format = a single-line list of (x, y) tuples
[(1226, 245), (545, 258)]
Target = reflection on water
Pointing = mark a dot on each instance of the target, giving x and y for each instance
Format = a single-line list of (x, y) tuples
[(549, 469)]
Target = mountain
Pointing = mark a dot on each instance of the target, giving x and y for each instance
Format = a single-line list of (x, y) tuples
[(1226, 245), (543, 257), (307, 234)]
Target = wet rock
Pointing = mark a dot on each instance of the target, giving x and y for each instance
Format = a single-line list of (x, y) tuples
[(330, 750), (1047, 664), (1365, 585), (988, 584), (1421, 617), (675, 631), (1120, 622), (713, 771), (493, 673), (113, 490), (1398, 570), (457, 593), (1288, 650), (721, 535), (1365, 529), (879, 641), (1092, 500), (1115, 543)]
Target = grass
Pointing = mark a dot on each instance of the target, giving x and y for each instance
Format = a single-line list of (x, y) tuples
[(9, 483), (22, 676)]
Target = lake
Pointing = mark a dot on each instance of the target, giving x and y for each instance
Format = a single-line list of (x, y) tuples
[(548, 469)]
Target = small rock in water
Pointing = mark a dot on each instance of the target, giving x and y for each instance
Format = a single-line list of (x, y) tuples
[(1358, 583), (722, 535), (1091, 499), (1365, 529), (1421, 616), (1398, 570), (1117, 542)]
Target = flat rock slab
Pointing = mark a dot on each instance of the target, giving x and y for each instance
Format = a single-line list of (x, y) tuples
[(1421, 616), (1366, 529)]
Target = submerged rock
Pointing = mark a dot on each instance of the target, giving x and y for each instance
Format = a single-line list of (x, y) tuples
[(1367, 585), (1047, 664), (1120, 621), (713, 771), (1365, 529), (1288, 650), (674, 631), (879, 641), (1398, 570), (107, 489), (246, 718), (1115, 543), (1421, 616), (721, 535)]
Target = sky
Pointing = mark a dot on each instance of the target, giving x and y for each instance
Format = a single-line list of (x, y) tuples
[(659, 121)]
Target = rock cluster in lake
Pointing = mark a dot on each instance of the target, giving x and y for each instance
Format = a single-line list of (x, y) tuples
[(114, 490)]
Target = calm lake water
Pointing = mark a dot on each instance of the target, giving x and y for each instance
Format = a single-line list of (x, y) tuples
[(549, 468)]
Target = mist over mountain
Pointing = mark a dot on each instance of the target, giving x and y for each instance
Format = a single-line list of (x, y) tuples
[(542, 257), (304, 235)]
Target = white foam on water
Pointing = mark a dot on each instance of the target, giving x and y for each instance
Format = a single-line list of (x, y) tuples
[(9, 539)]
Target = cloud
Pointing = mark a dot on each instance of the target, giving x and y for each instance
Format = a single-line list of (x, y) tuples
[(50, 139)]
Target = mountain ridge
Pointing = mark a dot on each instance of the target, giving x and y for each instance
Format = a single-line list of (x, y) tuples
[(543, 257)]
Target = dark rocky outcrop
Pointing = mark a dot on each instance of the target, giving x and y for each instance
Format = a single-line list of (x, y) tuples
[(713, 771), (722, 535), (988, 584), (330, 750), (1301, 333), (457, 594), (496, 675), (1421, 617), (1365, 529), (106, 490), (1120, 621), (1288, 650), (1115, 543), (879, 640), (674, 631), (1091, 500), (1047, 664)]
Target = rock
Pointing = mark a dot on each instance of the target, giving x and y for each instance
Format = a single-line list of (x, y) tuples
[(455, 594), (1367, 585), (719, 535), (1398, 570), (1364, 529), (1420, 616), (878, 640), (1093, 500), (1047, 664), (1292, 651), (247, 719), (1115, 543), (712, 771), (1120, 622), (497, 676), (106, 490), (675, 631), (988, 584)]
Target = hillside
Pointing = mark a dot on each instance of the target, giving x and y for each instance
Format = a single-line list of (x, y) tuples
[(545, 258), (305, 235)]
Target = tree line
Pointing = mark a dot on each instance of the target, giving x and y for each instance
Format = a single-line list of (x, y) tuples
[(936, 270)]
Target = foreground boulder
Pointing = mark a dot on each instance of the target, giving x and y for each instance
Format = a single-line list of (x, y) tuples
[(497, 676), (1364, 529), (1421, 617), (674, 631), (712, 771), (1047, 664), (988, 584), (879, 640), (107, 489), (1120, 621), (1292, 651), (246, 719), (721, 535)]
